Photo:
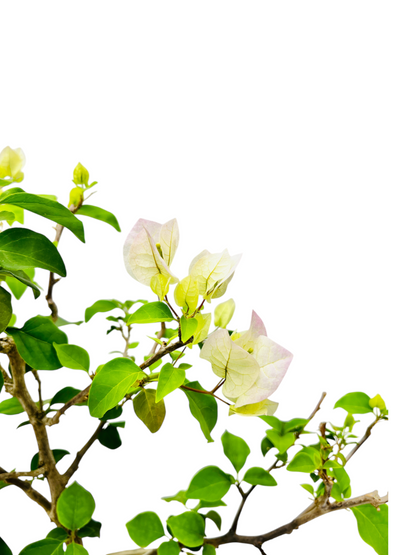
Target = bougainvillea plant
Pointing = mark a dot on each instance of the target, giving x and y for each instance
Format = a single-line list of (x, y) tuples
[(249, 366)]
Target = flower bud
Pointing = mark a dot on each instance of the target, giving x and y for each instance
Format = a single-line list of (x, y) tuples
[(76, 196), (223, 313), (159, 284), (377, 402), (11, 163), (81, 175)]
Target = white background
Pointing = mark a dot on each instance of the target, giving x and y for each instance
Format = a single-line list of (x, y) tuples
[(285, 131)]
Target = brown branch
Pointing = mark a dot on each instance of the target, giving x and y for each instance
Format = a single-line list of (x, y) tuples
[(205, 393), (318, 406), (10, 475), (29, 491), (363, 439), (79, 397), (36, 375), (160, 334), (74, 466)]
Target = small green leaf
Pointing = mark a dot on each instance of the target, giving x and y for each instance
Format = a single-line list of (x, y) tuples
[(168, 548), (377, 402), (75, 507), (235, 449), (282, 442), (209, 484), (6, 309), (76, 549), (58, 454), (170, 379), (11, 406), (203, 407), (100, 306), (295, 425), (257, 476), (4, 548), (188, 528), (109, 437), (208, 550), (150, 313), (215, 517), (152, 414), (304, 461), (98, 214), (274, 422), (90, 530), (22, 249), (145, 528), (308, 488), (265, 446), (355, 403), (34, 341), (188, 328), (113, 413), (72, 356), (111, 384), (48, 546), (181, 497), (57, 534), (47, 208), (1, 381), (18, 281), (64, 395), (373, 526), (205, 504)]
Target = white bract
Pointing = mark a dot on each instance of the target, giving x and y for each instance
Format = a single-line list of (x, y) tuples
[(213, 272), (11, 163), (149, 251)]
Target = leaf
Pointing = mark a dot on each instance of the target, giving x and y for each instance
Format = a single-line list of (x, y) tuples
[(282, 442), (309, 488), (34, 341), (113, 413), (209, 484), (21, 249), (208, 549), (151, 313), (111, 384), (62, 322), (75, 507), (72, 356), (57, 534), (203, 407), (235, 449), (46, 208), (265, 446), (11, 406), (76, 549), (181, 497), (188, 328), (145, 528), (4, 548), (109, 437), (58, 454), (204, 504), (355, 403), (6, 309), (64, 395), (168, 548), (170, 379), (274, 422), (257, 476), (90, 530), (98, 214), (100, 306), (295, 425), (152, 414), (18, 281), (1, 381), (304, 461), (373, 526), (215, 517), (188, 528), (48, 546)]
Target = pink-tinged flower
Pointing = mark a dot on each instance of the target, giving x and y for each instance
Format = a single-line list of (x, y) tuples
[(213, 272), (149, 250)]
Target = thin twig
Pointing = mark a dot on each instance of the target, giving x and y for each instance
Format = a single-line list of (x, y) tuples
[(11, 475), (171, 307), (363, 439), (318, 406), (159, 335), (74, 466), (205, 393), (30, 491), (36, 375), (79, 397)]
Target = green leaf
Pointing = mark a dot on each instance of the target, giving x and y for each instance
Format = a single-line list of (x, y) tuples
[(62, 322), (4, 215), (76, 549), (188, 528), (257, 476), (1, 381), (58, 454), (4, 548), (168, 548), (75, 507), (35, 342), (274, 422), (111, 384), (113, 413), (64, 395), (48, 546), (145, 528), (57, 534), (305, 461), (21, 249), (181, 497), (100, 306), (170, 379), (11, 406), (282, 442), (209, 484), (235, 449), (215, 517), (294, 425), (265, 446), (98, 214), (203, 407), (72, 356), (18, 281), (342, 479), (152, 414), (6, 309), (109, 437), (208, 550), (205, 504), (150, 313), (188, 328), (309, 488), (90, 530), (46, 208), (373, 526), (355, 403)]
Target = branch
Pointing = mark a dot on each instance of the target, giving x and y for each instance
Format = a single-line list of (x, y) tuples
[(10, 475), (363, 439), (205, 392), (74, 466), (160, 334), (318, 406), (29, 491), (79, 397)]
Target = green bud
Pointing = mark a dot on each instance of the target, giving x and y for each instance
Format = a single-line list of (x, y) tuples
[(223, 313), (377, 402), (349, 421), (159, 284), (81, 175), (76, 196)]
